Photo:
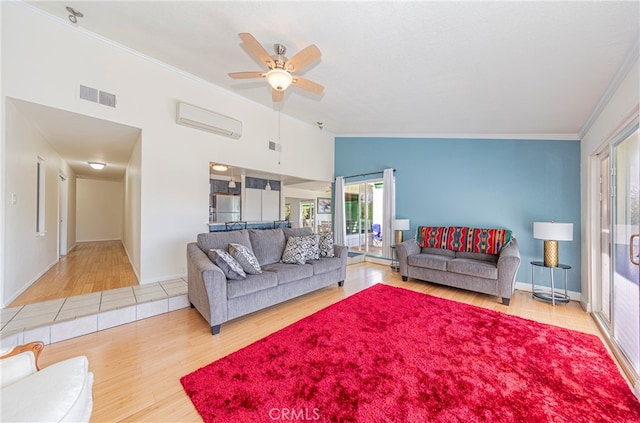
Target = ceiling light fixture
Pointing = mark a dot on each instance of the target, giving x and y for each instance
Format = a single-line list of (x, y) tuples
[(97, 165), (219, 168), (279, 79), (268, 186)]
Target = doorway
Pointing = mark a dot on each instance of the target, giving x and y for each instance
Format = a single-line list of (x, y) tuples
[(308, 210), (617, 293), (363, 204)]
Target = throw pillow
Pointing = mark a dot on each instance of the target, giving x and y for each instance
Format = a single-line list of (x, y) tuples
[(313, 253), (229, 266), (296, 250), (244, 256), (326, 245)]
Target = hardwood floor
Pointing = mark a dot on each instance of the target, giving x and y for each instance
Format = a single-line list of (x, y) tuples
[(137, 366), (89, 267)]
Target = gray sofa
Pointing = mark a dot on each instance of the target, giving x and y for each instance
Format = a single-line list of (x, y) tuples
[(485, 273), (220, 300)]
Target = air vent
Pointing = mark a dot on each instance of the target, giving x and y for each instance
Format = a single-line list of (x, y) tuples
[(107, 99), (95, 96), (275, 146), (88, 93)]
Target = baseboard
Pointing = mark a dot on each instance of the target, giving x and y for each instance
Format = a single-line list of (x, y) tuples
[(99, 240), (526, 286), (28, 284)]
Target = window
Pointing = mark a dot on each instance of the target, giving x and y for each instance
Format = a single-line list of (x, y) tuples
[(40, 190)]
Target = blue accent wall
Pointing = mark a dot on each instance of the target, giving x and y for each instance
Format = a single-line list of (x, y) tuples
[(481, 183)]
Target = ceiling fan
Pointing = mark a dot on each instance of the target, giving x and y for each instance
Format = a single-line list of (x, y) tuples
[(280, 74)]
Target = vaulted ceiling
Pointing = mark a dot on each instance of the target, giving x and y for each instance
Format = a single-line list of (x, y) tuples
[(397, 68)]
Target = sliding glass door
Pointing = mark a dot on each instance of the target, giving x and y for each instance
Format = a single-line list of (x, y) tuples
[(363, 213), (617, 302)]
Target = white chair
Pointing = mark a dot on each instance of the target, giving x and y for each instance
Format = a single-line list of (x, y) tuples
[(61, 392)]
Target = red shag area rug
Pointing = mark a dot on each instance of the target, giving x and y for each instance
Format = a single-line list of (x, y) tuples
[(388, 354)]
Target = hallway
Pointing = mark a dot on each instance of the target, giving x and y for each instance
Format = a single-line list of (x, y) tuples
[(89, 267)]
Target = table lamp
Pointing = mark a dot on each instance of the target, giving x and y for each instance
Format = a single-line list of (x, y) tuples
[(400, 225), (551, 233)]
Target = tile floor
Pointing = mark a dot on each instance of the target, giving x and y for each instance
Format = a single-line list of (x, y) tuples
[(57, 320)]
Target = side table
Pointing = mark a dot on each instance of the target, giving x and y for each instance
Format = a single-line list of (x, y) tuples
[(552, 295), (395, 264)]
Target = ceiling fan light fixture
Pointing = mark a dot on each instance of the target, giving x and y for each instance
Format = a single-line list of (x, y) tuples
[(279, 79), (97, 165)]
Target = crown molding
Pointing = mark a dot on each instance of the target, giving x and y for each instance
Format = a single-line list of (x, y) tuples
[(629, 60), (532, 137)]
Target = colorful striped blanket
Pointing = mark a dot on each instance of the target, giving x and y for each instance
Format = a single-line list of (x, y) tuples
[(463, 238)]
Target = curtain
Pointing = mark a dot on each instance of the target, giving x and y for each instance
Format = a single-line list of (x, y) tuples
[(388, 212), (339, 221)]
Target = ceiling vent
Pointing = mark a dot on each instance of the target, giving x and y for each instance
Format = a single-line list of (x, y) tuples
[(209, 121), (95, 96)]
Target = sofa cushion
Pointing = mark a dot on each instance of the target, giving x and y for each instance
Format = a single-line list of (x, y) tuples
[(438, 251), (289, 272), (326, 245), (229, 266), (325, 265), (56, 393), (221, 240), (491, 258), (480, 269), (289, 232), (246, 258), (429, 261), (267, 245), (253, 283)]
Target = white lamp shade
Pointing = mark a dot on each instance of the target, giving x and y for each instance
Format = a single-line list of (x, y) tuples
[(553, 231), (279, 79), (401, 224)]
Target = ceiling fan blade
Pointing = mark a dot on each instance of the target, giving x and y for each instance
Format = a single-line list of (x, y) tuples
[(303, 58), (246, 75), (277, 96), (256, 49), (305, 84)]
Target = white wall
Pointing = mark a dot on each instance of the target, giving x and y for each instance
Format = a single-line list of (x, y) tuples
[(44, 59), (619, 108), (100, 210), (28, 256)]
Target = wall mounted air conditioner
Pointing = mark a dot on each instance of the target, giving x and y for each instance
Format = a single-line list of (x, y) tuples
[(207, 120)]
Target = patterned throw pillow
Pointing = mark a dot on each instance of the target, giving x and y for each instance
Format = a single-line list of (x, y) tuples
[(244, 256), (326, 245), (313, 253), (229, 266), (296, 250)]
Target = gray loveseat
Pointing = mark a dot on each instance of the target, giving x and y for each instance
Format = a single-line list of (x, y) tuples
[(219, 299), (492, 274)]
